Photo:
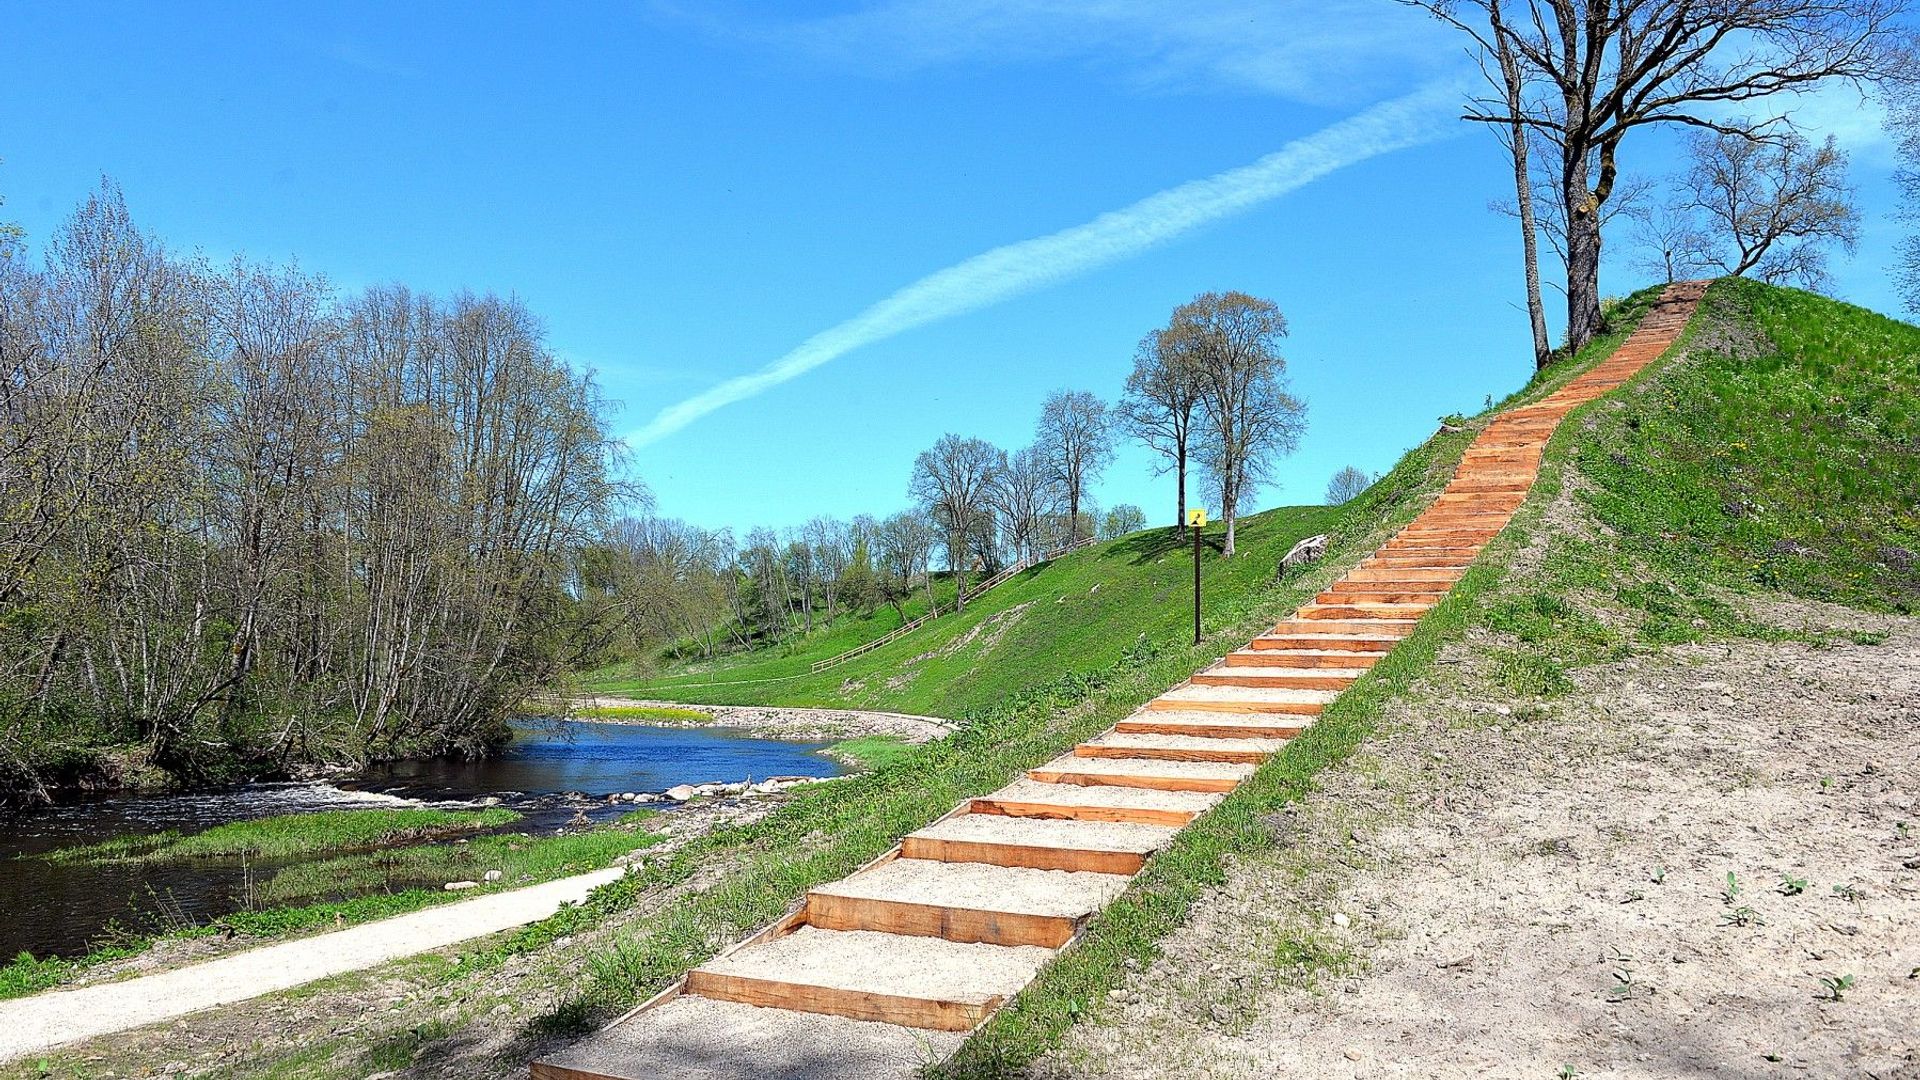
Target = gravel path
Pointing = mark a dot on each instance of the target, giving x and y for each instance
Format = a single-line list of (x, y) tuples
[(32, 1024)]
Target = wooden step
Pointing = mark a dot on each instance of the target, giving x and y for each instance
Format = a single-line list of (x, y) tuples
[(1242, 699), (1304, 679), (1173, 746), (1136, 772), (966, 902), (1442, 577), (1342, 628), (1214, 725), (917, 982), (1102, 847), (1082, 802), (688, 1036), (1312, 654), (1360, 612)]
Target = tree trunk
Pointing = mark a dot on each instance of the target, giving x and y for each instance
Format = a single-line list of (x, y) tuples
[(1180, 488), (1523, 199), (956, 560), (1229, 498), (1583, 272)]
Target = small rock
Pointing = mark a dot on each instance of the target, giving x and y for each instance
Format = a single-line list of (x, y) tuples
[(1461, 961), (458, 886), (492, 876), (1340, 919), (680, 792), (1352, 1053)]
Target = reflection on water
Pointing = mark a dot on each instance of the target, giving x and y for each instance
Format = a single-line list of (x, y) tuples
[(549, 773)]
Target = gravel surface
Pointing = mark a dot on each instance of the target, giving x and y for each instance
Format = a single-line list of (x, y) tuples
[(982, 887), (898, 964), (1038, 832), (1106, 795)]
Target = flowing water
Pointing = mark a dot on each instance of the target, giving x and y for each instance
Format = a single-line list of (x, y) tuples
[(551, 773)]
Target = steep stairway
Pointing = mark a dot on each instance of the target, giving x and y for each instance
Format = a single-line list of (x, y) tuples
[(886, 970)]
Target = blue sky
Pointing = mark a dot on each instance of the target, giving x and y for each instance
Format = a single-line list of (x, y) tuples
[(687, 194)]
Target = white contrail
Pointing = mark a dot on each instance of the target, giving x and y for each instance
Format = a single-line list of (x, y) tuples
[(1008, 271)]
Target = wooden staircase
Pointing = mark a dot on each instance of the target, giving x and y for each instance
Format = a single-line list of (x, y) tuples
[(878, 973)]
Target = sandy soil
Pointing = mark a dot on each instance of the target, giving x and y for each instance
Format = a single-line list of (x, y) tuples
[(1496, 888), (768, 722)]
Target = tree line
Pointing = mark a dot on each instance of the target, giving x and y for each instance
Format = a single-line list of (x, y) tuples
[(247, 521)]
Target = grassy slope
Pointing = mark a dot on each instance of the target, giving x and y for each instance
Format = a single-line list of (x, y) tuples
[(1823, 407), (1080, 612)]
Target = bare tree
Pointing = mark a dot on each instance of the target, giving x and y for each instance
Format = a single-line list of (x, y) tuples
[(1347, 483), (1233, 341), (1023, 494), (1158, 408), (1772, 206), (905, 543), (1594, 71), (953, 482), (1671, 243), (1076, 443)]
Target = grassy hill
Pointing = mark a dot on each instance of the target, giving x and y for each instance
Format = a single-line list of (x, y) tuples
[(1080, 612)]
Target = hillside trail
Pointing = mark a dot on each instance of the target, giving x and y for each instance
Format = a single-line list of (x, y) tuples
[(43, 1021), (885, 971)]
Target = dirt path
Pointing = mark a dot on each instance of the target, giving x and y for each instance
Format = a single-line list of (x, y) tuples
[(773, 722), (1502, 889), (32, 1024)]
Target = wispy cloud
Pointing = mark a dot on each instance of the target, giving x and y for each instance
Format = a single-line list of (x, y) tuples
[(1318, 51), (988, 278)]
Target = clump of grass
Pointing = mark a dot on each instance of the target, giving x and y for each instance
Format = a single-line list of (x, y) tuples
[(290, 835), (521, 860), (873, 751)]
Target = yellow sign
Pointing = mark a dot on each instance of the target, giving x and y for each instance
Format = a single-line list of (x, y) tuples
[(1197, 518)]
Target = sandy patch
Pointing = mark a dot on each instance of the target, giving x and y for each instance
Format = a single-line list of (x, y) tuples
[(770, 722)]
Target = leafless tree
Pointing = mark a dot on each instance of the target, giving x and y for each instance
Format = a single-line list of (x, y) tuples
[(1593, 72), (953, 482), (1159, 406), (1233, 341), (905, 542), (1772, 206), (1670, 241), (1075, 441), (1346, 484), (1023, 494)]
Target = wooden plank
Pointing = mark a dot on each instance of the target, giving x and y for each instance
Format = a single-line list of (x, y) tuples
[(1281, 730), (1038, 858), (831, 911), (1302, 680), (1130, 815), (927, 1013), (1290, 708), (1173, 753), (1156, 783), (1281, 657)]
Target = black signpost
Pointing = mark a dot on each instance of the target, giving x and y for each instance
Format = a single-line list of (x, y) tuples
[(1196, 520)]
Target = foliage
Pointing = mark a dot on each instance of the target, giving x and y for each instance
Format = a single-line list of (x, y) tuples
[(873, 751)]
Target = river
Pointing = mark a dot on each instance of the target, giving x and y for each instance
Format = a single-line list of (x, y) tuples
[(550, 772)]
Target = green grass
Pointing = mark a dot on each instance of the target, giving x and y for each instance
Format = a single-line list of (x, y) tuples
[(873, 751), (1080, 612), (521, 860), (290, 836), (1784, 454)]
